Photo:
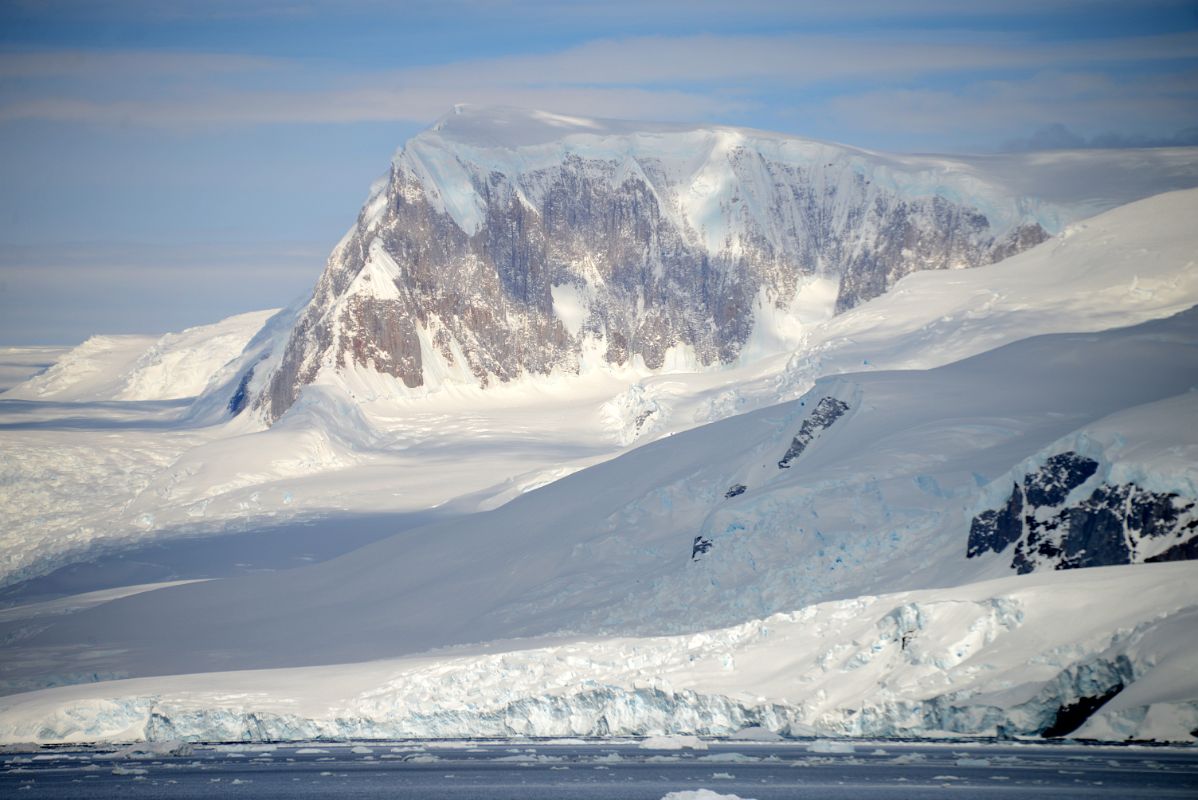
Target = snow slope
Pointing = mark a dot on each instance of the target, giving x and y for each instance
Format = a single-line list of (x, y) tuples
[(93, 370), (1137, 262), (18, 364), (879, 501), (991, 657), (173, 366)]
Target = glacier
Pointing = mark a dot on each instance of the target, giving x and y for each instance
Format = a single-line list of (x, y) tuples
[(986, 659)]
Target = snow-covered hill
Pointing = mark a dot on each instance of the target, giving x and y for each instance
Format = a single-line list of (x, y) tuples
[(507, 243), (93, 370), (170, 367), (19, 364)]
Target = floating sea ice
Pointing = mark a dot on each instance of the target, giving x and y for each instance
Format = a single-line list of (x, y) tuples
[(678, 742)]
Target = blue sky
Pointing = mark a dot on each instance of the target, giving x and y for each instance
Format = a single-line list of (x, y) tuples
[(164, 164)]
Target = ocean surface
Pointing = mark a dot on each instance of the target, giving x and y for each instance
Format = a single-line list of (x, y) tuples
[(625, 770)]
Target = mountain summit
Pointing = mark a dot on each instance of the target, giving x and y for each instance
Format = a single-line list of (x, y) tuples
[(506, 242)]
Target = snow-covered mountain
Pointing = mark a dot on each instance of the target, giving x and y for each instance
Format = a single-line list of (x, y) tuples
[(505, 243)]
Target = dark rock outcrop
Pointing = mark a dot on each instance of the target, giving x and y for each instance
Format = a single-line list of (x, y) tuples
[(995, 531), (1059, 476), (826, 412), (241, 396), (1113, 524), (1072, 716)]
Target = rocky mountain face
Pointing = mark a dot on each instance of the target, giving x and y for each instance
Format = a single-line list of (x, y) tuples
[(505, 243)]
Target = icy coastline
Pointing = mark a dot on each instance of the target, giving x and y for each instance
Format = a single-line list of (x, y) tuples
[(988, 659)]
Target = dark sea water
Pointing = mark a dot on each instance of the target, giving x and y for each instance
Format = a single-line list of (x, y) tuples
[(613, 771)]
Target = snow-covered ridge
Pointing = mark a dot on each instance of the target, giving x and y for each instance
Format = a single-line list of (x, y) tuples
[(89, 371), (1084, 182), (19, 364), (181, 364), (173, 366), (982, 659), (1128, 265), (691, 168)]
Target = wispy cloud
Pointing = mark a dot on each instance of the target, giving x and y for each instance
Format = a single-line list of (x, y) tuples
[(1057, 136), (689, 77), (1145, 108), (796, 60), (417, 104), (106, 65), (637, 12)]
